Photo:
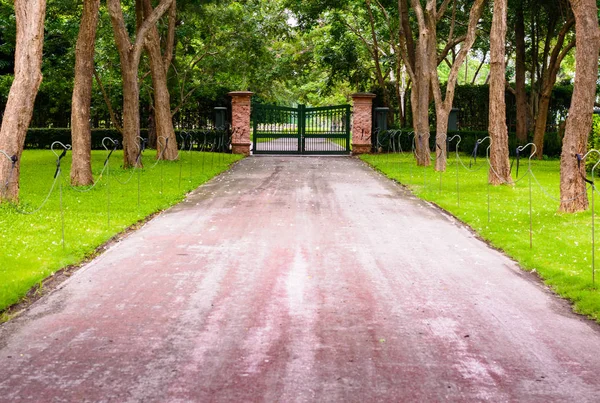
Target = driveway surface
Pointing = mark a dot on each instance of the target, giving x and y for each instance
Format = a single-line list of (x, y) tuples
[(300, 279)]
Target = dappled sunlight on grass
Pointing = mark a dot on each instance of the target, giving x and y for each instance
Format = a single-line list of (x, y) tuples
[(562, 243)]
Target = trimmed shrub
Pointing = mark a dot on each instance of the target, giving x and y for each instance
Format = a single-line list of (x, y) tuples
[(389, 141), (206, 139)]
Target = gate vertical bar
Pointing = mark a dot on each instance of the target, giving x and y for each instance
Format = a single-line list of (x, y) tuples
[(255, 119), (301, 127), (348, 114)]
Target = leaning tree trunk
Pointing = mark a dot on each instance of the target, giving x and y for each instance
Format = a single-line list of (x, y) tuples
[(165, 133), (579, 121), (30, 16), (499, 161), (81, 133), (520, 69)]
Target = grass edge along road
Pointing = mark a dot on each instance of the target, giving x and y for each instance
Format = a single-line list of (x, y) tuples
[(561, 251), (31, 247)]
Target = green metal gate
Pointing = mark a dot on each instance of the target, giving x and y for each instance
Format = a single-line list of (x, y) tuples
[(301, 130)]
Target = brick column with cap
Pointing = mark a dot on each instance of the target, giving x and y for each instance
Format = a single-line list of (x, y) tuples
[(362, 122), (240, 122)]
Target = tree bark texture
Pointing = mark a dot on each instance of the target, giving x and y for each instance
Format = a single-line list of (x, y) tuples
[(548, 79), (81, 132), (499, 162), (579, 122), (166, 142), (520, 68), (421, 86), (443, 106), (129, 56), (30, 15)]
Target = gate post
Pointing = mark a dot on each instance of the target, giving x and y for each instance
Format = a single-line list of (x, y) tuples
[(362, 122), (240, 121)]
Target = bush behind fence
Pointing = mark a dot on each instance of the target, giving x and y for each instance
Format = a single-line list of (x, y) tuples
[(205, 139), (384, 142)]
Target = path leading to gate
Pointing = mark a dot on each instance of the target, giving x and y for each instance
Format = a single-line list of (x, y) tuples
[(300, 279)]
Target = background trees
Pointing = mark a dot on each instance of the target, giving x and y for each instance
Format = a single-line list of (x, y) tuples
[(167, 64)]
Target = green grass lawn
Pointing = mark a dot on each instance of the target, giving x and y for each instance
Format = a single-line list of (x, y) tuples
[(562, 243), (31, 245)]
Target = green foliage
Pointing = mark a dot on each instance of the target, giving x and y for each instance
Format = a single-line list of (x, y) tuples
[(32, 244), (561, 252)]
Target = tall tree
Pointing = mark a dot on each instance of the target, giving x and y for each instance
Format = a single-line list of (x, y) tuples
[(159, 67), (554, 51), (30, 16), (579, 122), (499, 161), (443, 105), (129, 55), (81, 133), (421, 78), (520, 71)]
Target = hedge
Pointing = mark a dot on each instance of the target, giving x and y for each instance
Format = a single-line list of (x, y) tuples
[(39, 138), (552, 142)]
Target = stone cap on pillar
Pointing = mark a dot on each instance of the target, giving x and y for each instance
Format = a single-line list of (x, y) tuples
[(363, 95), (240, 93), (363, 98)]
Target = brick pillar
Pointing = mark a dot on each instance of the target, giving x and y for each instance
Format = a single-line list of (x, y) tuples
[(240, 121), (362, 121)]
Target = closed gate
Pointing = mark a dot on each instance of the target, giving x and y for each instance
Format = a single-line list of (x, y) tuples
[(301, 130)]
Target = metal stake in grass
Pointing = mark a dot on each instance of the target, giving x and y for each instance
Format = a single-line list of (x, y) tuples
[(138, 161), (457, 161), (533, 152), (487, 153), (488, 183), (57, 175), (414, 154), (115, 144), (13, 161), (593, 229), (592, 182), (191, 159), (161, 163), (203, 155)]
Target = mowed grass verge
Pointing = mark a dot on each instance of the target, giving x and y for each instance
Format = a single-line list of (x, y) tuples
[(31, 247), (562, 243)]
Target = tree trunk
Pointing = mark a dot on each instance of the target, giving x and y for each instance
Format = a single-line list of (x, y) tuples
[(131, 115), (421, 87), (420, 106), (81, 133), (129, 56), (444, 106), (520, 77), (499, 162), (579, 121), (165, 133), (440, 137), (30, 16), (547, 81), (540, 124)]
